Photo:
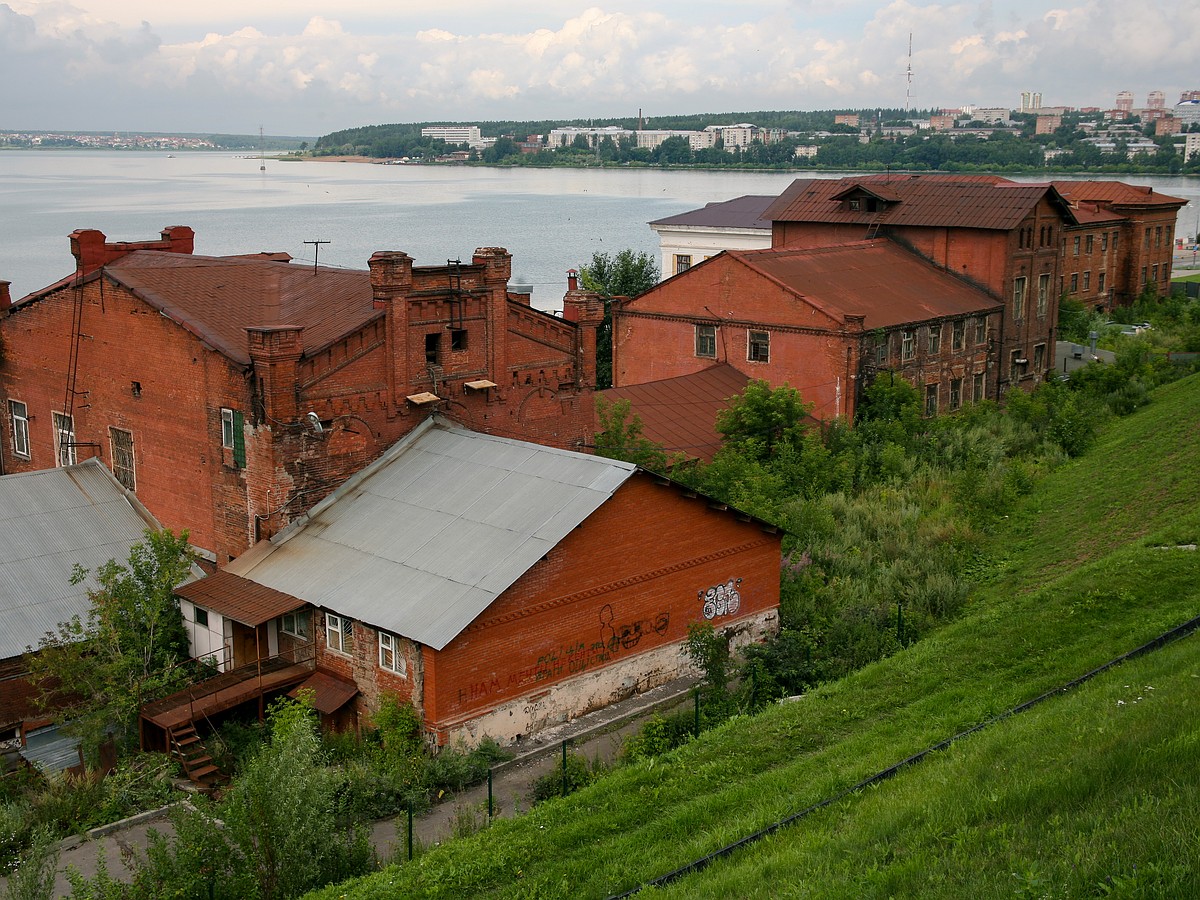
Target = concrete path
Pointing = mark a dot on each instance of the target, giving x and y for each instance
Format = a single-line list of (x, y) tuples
[(599, 735)]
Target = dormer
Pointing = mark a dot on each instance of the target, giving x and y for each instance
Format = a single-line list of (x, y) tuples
[(867, 198)]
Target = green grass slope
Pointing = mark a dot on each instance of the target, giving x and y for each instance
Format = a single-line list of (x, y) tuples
[(1066, 799)]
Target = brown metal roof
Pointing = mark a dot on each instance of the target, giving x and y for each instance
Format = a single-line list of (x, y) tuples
[(218, 298), (740, 212), (680, 414), (877, 279), (239, 598), (1117, 193), (985, 202), (330, 692)]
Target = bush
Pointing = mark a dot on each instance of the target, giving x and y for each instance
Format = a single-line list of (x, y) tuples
[(658, 735), (578, 774)]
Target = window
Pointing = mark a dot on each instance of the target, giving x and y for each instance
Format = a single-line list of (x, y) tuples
[(931, 391), (1074, 282), (958, 334), (759, 349), (1075, 251), (955, 393), (122, 456), (201, 616), (338, 633), (1100, 279), (683, 262), (855, 205), (432, 342), (1146, 243), (233, 435), (64, 433), (881, 350), (935, 338), (1143, 275), (295, 624), (1088, 245), (907, 339), (1039, 358), (1043, 294), (1087, 281), (389, 654), (1104, 242), (706, 341), (1116, 234), (1154, 273), (1158, 236), (1016, 365), (977, 388), (19, 413), (981, 330), (458, 339), (1019, 298)]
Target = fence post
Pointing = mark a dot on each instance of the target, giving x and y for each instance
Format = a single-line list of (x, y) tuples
[(696, 699), (564, 767), (410, 828), (489, 793)]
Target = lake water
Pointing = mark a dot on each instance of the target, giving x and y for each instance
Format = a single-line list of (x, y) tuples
[(551, 220)]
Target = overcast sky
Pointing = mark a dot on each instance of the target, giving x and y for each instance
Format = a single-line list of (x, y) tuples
[(299, 67)]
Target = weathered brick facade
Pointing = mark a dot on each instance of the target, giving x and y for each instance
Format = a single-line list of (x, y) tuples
[(238, 391)]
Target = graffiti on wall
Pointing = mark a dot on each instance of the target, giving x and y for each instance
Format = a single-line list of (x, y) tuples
[(721, 599)]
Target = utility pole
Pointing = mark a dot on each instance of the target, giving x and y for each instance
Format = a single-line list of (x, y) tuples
[(316, 252)]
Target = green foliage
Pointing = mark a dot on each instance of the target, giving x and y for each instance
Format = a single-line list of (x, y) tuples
[(623, 274), (579, 773), (659, 735), (96, 676), (619, 436), (762, 420), (34, 874)]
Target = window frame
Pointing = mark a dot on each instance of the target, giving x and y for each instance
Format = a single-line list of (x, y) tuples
[(981, 330), (391, 643), (1019, 297), (931, 398), (683, 262), (934, 339), (706, 341), (344, 631), (1043, 294), (978, 385), (908, 344), (958, 335), (64, 450), (120, 464), (758, 346), (20, 428), (956, 386), (300, 621)]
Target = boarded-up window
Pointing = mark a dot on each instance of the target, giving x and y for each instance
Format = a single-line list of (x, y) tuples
[(122, 456)]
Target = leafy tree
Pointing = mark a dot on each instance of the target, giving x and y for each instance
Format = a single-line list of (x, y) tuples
[(624, 274), (96, 676), (620, 436), (763, 419)]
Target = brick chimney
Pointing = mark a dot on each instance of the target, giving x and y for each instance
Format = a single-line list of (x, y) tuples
[(497, 270), (91, 250), (391, 284), (5, 297), (586, 310), (276, 354)]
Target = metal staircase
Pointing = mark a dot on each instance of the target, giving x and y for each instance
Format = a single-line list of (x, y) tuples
[(187, 747)]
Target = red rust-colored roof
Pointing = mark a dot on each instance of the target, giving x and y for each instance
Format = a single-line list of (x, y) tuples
[(984, 202), (1115, 192), (329, 691), (239, 598), (876, 279), (218, 298), (680, 414)]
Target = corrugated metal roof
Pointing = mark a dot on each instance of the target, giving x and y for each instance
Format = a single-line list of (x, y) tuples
[(329, 692), (423, 540), (680, 414), (1116, 192), (919, 200), (238, 598), (876, 279), (51, 520), (740, 212)]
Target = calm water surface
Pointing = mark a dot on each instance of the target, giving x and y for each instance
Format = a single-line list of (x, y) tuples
[(551, 220)]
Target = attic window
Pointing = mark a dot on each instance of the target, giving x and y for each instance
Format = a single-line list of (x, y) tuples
[(855, 205)]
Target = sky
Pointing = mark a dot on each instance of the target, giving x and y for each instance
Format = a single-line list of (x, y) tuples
[(303, 68)]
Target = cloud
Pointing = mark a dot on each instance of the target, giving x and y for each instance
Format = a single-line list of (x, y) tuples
[(302, 71)]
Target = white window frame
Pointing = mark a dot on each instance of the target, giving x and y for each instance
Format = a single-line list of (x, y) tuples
[(130, 465), (339, 626), (226, 428), (295, 624), (908, 344), (1043, 294), (706, 341), (762, 340), (389, 644), (935, 338), (64, 439), (20, 428)]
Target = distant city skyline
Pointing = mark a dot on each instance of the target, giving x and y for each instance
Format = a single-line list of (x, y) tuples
[(300, 68)]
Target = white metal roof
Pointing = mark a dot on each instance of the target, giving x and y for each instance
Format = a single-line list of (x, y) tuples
[(49, 521), (423, 540)]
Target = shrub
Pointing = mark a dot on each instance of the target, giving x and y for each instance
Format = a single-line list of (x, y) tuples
[(578, 774)]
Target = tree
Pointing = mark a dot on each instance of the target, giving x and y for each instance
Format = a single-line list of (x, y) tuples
[(625, 274), (620, 436), (96, 676), (763, 419)]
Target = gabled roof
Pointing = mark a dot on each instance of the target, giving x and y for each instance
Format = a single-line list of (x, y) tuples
[(238, 598), (985, 202), (876, 279), (52, 520), (424, 539), (740, 212), (680, 414), (218, 297)]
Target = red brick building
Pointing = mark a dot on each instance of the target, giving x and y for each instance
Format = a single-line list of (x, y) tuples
[(232, 393), (820, 320), (497, 585)]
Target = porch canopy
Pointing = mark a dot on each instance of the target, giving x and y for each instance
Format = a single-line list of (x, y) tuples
[(239, 599)]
